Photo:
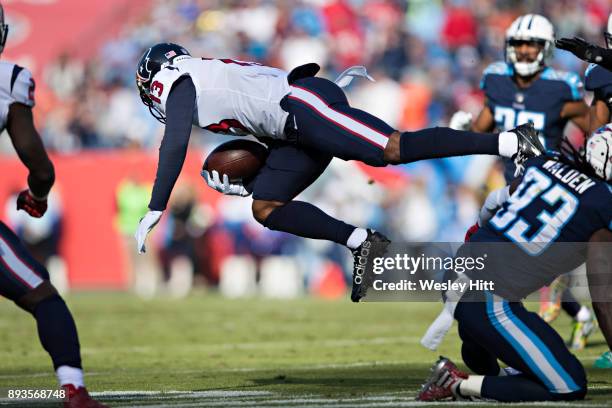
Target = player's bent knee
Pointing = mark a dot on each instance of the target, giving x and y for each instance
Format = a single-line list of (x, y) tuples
[(30, 300), (262, 209), (392, 151)]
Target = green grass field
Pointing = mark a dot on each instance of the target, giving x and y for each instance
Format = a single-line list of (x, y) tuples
[(210, 351)]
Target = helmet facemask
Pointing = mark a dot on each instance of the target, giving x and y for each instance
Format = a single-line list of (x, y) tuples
[(523, 68), (3, 29), (145, 97)]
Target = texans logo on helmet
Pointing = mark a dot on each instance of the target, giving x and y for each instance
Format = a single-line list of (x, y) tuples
[(144, 73)]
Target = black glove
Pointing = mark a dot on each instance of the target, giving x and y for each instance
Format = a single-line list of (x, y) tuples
[(36, 207), (582, 49)]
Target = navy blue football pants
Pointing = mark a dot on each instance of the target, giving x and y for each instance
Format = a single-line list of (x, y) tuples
[(493, 329), (20, 273), (323, 126)]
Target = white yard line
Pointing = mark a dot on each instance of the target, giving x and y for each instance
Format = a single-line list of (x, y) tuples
[(264, 399)]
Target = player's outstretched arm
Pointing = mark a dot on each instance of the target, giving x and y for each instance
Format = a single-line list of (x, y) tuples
[(31, 152), (173, 149), (179, 114), (599, 274), (586, 51)]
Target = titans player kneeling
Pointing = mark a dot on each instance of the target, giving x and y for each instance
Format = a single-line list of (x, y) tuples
[(305, 121), (559, 200)]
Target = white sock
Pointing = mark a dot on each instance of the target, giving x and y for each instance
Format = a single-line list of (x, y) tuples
[(70, 375), (357, 237), (472, 386), (508, 144), (583, 315)]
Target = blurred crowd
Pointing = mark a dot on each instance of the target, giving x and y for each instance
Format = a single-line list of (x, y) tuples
[(427, 57)]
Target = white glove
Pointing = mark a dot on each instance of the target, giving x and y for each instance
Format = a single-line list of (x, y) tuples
[(146, 224), (461, 121), (224, 187), (494, 201)]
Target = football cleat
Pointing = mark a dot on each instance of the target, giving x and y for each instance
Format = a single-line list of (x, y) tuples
[(550, 298), (442, 383), (374, 246), (529, 145), (581, 332), (604, 361), (79, 398)]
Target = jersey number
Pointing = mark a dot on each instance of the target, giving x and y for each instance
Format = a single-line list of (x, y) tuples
[(536, 185), (156, 88), (508, 118)]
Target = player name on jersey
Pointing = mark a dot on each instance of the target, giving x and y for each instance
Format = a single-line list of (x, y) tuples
[(573, 178)]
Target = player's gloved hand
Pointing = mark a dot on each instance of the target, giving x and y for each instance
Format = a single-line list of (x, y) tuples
[(225, 187), (461, 120), (494, 201), (144, 227), (34, 206), (471, 231), (580, 48)]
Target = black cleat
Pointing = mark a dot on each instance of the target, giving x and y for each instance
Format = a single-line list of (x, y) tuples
[(375, 245), (529, 145)]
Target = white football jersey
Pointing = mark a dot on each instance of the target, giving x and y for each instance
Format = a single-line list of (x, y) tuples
[(233, 97), (16, 85)]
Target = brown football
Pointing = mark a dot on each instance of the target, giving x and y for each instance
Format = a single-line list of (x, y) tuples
[(239, 159)]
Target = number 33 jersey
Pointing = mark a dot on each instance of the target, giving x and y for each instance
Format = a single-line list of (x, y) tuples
[(540, 103), (540, 231), (233, 97), (16, 86)]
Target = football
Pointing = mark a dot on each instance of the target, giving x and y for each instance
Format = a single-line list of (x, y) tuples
[(239, 159)]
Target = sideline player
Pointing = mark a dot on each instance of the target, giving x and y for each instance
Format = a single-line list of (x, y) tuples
[(523, 88), (558, 203), (598, 79), (305, 121), (22, 279)]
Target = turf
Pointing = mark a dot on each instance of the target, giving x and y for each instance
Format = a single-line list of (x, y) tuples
[(210, 351)]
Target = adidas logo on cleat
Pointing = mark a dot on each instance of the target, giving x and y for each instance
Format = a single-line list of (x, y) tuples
[(361, 261), (361, 255)]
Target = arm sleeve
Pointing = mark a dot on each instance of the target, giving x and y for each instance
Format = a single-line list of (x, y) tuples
[(22, 86), (179, 113)]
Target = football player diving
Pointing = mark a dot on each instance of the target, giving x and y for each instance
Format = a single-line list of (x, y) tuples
[(598, 79), (524, 88), (22, 279), (305, 121), (538, 222)]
